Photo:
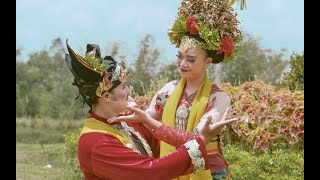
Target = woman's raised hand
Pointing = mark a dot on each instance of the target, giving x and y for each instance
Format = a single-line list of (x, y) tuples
[(208, 130)]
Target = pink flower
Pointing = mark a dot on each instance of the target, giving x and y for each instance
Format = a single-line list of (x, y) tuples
[(93, 52)]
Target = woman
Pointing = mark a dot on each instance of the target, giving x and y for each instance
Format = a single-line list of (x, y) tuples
[(112, 150), (205, 32)]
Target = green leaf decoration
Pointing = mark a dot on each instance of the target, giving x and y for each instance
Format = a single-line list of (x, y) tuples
[(95, 63)]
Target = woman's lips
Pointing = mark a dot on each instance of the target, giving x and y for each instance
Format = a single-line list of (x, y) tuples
[(183, 70)]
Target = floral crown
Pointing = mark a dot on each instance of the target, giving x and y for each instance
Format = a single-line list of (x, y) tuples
[(212, 22), (92, 69)]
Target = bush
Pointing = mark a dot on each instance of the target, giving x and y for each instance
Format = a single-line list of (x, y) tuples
[(280, 164), (71, 153), (271, 117)]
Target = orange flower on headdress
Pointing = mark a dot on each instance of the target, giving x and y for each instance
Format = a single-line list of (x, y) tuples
[(226, 45), (106, 81), (191, 24)]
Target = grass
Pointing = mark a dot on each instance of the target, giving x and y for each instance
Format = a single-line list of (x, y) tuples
[(44, 131), (40, 142), (31, 160)]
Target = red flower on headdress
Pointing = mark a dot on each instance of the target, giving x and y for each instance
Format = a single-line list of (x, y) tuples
[(226, 46), (191, 24)]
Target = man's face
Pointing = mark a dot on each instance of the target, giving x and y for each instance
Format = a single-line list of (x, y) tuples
[(119, 96)]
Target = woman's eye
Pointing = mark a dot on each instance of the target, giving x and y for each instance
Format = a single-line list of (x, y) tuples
[(178, 56)]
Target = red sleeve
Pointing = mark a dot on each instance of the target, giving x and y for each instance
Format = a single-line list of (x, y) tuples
[(111, 160), (173, 136)]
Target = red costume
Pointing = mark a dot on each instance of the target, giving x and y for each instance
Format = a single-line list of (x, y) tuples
[(104, 156)]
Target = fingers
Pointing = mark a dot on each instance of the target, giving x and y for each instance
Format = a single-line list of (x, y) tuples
[(119, 118), (134, 109), (208, 121), (226, 113), (225, 122)]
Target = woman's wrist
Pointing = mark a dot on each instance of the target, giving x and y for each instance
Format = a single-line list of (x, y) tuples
[(205, 139), (151, 123)]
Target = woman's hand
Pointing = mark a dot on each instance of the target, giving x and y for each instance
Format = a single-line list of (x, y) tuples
[(138, 116), (208, 130)]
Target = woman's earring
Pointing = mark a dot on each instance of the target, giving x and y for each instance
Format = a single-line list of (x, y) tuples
[(207, 69)]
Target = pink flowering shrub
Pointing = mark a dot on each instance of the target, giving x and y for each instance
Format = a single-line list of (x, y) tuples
[(142, 102), (270, 117)]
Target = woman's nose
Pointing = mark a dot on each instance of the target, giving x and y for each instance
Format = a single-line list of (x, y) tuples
[(183, 63)]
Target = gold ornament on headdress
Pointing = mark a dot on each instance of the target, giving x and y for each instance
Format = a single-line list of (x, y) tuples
[(120, 73), (104, 85), (188, 43)]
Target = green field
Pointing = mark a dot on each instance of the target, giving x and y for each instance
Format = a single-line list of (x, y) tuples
[(40, 142), (31, 160)]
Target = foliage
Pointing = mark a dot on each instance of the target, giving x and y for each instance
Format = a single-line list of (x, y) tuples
[(169, 71), (252, 62), (244, 165), (294, 79), (149, 91), (279, 164), (43, 86), (145, 64), (271, 118), (71, 152), (94, 62)]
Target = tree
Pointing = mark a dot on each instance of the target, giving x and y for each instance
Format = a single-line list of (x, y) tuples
[(253, 62), (145, 64), (43, 86), (294, 79), (170, 71)]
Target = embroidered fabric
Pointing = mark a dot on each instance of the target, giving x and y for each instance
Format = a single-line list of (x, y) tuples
[(129, 132), (196, 155), (173, 136)]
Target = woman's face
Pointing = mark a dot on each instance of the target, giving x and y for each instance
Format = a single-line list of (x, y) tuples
[(192, 62)]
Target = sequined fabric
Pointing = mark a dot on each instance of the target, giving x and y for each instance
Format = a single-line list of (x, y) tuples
[(173, 136)]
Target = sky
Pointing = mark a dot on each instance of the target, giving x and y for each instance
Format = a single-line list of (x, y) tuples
[(277, 24)]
